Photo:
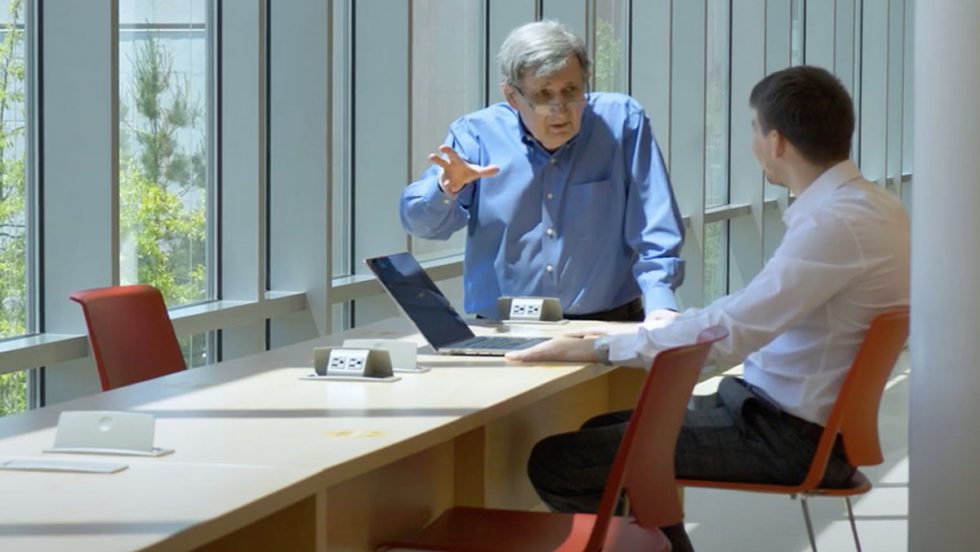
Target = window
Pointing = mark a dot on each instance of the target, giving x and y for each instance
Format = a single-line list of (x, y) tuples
[(451, 32), (797, 32), (715, 260), (611, 49), (14, 215), (163, 151), (716, 155)]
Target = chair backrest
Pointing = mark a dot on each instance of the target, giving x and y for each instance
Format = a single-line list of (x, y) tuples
[(855, 412), (644, 463), (130, 334)]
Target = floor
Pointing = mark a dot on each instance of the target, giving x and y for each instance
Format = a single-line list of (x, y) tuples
[(731, 521)]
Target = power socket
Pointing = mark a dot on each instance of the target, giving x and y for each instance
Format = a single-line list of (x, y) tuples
[(350, 361), (347, 362), (526, 308), (529, 309)]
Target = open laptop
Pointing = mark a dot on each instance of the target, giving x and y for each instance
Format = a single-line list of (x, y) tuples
[(419, 298)]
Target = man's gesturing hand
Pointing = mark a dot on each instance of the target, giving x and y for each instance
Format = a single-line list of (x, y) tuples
[(457, 173)]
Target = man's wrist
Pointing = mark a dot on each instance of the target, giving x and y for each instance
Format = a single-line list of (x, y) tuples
[(444, 194), (600, 346)]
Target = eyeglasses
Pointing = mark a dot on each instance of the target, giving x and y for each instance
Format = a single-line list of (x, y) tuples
[(572, 97)]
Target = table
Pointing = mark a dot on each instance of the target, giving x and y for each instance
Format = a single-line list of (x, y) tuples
[(264, 460)]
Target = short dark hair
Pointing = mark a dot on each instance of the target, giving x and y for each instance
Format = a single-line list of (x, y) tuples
[(810, 107)]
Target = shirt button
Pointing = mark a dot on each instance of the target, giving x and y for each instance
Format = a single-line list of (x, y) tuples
[(553, 161), (549, 268), (550, 195), (550, 232)]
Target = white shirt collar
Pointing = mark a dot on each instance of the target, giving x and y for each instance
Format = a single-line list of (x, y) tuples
[(824, 185)]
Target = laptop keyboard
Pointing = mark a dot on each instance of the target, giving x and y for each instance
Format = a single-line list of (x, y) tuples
[(501, 343)]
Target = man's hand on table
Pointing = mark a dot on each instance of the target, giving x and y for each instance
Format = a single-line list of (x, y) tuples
[(570, 349)]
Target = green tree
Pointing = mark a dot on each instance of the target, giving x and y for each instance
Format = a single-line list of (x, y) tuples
[(162, 184), (13, 239), (608, 57)]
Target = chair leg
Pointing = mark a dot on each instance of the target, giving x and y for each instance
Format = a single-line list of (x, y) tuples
[(809, 525), (854, 529)]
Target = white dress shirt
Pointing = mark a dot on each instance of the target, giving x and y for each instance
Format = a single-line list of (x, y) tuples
[(798, 324)]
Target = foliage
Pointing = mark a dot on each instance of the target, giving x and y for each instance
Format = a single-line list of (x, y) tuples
[(608, 56), (162, 184), (13, 392), (161, 188), (13, 240), (163, 232)]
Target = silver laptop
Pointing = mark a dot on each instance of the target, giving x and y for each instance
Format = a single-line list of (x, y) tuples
[(419, 298)]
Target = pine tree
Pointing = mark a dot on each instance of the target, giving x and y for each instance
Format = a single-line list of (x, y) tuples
[(162, 184)]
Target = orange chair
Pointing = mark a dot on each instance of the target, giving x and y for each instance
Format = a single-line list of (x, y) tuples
[(644, 467), (130, 334), (854, 416)]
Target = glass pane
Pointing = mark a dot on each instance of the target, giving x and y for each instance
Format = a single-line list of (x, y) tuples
[(796, 33), (14, 216), (715, 260), (13, 393), (195, 349), (717, 85), (163, 144), (611, 51), (453, 34), (13, 191)]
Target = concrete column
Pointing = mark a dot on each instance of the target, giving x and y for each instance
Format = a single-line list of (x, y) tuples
[(944, 433)]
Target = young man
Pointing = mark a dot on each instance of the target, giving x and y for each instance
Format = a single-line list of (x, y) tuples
[(563, 192), (795, 327)]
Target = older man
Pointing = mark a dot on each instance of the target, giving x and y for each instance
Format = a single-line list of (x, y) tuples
[(796, 326), (563, 192)]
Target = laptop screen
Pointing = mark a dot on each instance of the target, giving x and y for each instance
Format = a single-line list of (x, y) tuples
[(420, 299)]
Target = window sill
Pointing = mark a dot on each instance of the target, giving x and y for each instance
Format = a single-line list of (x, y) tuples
[(43, 349)]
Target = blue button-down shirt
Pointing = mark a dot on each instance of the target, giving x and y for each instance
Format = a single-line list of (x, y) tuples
[(593, 223)]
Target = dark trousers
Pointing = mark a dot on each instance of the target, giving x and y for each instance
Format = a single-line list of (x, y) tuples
[(733, 435), (627, 312)]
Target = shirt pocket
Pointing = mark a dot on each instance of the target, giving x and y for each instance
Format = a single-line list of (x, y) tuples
[(590, 209)]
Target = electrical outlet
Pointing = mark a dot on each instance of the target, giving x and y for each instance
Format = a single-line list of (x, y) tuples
[(526, 308), (347, 361), (352, 361)]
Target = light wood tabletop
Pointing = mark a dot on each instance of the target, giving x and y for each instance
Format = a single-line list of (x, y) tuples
[(266, 458)]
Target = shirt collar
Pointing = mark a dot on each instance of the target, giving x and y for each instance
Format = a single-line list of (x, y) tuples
[(825, 184)]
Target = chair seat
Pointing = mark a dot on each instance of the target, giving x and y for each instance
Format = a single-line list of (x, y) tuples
[(859, 484), (463, 529)]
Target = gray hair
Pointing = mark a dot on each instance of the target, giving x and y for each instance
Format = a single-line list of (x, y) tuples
[(539, 49)]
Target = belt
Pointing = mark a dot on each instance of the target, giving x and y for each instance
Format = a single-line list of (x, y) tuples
[(776, 411), (631, 311)]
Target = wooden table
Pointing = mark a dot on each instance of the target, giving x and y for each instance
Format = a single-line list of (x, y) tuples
[(264, 460)]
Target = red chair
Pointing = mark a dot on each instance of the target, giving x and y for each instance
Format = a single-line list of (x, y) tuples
[(643, 467), (130, 334), (854, 416)]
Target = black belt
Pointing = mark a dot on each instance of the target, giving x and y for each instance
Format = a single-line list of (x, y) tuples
[(627, 312), (776, 411)]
